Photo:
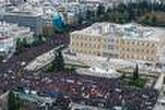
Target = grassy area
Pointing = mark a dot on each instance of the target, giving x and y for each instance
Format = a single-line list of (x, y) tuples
[(139, 83)]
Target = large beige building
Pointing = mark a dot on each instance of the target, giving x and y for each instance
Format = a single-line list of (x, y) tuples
[(129, 42)]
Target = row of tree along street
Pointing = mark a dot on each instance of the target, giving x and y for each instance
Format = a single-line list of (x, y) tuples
[(123, 13)]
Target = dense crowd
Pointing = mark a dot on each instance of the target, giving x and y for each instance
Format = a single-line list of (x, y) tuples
[(101, 92), (28, 54), (88, 90)]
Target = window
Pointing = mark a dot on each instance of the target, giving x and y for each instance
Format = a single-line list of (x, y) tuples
[(117, 41), (128, 43), (72, 44), (152, 52), (133, 43), (81, 44), (110, 47), (128, 49), (99, 40), (142, 50), (128, 56), (143, 43), (98, 54), (153, 45), (147, 51), (77, 44)]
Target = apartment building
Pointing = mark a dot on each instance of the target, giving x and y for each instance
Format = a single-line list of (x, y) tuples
[(128, 42), (33, 14), (9, 33)]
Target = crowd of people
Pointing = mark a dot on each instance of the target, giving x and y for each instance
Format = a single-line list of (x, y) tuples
[(101, 92), (29, 54)]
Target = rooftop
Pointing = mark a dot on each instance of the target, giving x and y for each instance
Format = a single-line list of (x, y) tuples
[(126, 31), (9, 31)]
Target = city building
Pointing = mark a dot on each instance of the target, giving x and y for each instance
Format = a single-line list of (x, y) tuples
[(33, 14), (9, 33), (23, 17), (128, 42), (4, 101), (73, 12)]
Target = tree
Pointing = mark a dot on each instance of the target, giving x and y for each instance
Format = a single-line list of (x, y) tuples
[(58, 63), (89, 15), (154, 19), (24, 43), (13, 102), (100, 11), (136, 72), (19, 46), (18, 43)]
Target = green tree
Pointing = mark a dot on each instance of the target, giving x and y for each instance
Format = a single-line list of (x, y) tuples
[(24, 43), (19, 46), (100, 12), (89, 13), (18, 43), (136, 73), (14, 102), (154, 19), (58, 63)]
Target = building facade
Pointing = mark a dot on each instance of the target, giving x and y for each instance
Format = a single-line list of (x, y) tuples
[(128, 42), (33, 14), (25, 19), (9, 34), (138, 50)]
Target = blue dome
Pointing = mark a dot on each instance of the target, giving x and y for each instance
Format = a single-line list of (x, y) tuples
[(58, 22)]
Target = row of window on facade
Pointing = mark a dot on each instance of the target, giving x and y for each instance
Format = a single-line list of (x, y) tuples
[(110, 55), (95, 39), (97, 46), (86, 52), (91, 38), (111, 40), (140, 43), (128, 56), (86, 45), (113, 55), (137, 50), (127, 42)]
